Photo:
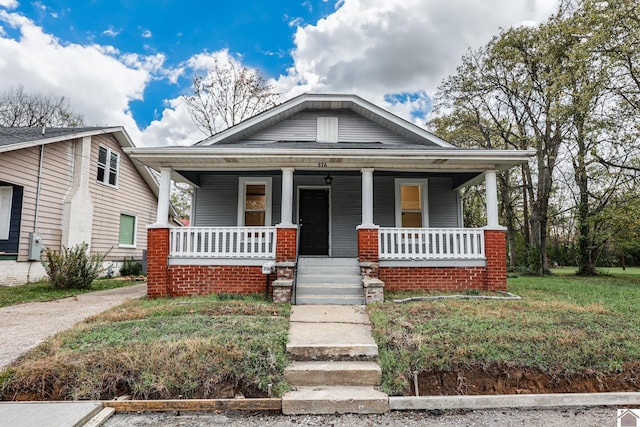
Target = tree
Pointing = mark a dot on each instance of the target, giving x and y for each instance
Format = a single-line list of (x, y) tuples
[(227, 95), (20, 108)]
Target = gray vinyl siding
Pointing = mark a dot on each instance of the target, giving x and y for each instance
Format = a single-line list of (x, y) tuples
[(345, 204), (351, 128), (216, 201), (20, 167), (443, 202)]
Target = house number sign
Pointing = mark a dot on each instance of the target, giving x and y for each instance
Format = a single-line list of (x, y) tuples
[(322, 164)]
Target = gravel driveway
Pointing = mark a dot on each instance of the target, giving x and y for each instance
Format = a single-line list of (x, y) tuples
[(557, 417), (24, 326)]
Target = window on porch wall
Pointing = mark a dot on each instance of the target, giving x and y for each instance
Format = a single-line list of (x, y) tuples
[(411, 204), (254, 207)]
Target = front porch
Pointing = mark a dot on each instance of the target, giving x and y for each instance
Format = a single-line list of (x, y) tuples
[(200, 260), (298, 180)]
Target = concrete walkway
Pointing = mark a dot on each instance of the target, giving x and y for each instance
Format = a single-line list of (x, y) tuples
[(24, 326), (334, 362)]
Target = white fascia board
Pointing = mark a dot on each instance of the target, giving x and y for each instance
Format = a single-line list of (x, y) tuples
[(69, 136)]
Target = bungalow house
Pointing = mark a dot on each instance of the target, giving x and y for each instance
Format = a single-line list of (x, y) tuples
[(340, 195), (64, 186)]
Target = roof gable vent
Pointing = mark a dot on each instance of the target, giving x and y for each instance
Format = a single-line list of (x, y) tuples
[(327, 130)]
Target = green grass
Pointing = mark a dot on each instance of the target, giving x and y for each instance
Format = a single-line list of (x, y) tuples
[(201, 347), (42, 291), (562, 326)]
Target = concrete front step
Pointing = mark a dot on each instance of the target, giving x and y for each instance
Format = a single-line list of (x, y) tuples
[(331, 269), (329, 290), (334, 400), (329, 299), (328, 262), (328, 279), (334, 373)]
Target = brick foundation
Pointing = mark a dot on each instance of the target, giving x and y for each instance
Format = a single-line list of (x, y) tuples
[(188, 280), (433, 278)]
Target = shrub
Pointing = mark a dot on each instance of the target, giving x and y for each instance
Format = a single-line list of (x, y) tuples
[(131, 268), (72, 268)]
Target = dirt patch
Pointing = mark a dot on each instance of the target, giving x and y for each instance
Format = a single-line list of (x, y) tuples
[(502, 379)]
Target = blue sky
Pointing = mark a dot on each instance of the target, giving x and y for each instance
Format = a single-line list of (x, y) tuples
[(128, 62)]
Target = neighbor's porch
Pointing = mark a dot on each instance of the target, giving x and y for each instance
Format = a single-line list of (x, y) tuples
[(196, 260)]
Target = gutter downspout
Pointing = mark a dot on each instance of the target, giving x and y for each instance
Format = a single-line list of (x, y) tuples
[(35, 223)]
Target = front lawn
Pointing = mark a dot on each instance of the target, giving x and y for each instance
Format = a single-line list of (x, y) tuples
[(204, 347), (567, 334), (43, 291)]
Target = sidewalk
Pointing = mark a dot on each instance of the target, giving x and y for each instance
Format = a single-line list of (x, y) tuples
[(24, 326)]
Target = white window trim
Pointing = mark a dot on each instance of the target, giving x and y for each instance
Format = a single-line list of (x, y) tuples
[(424, 193), (107, 167), (135, 231), (5, 212), (242, 193)]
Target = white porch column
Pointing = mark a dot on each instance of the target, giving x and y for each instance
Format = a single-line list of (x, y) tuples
[(367, 197), (286, 208), (491, 188), (162, 217)]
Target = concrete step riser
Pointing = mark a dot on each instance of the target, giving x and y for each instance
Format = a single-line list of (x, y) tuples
[(308, 279), (322, 300), (335, 400), (362, 353), (304, 290), (346, 271), (333, 374)]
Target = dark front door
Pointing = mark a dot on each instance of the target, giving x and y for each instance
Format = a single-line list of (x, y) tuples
[(314, 222)]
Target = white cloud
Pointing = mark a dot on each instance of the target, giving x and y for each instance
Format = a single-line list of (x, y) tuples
[(369, 47), (9, 4), (378, 47), (111, 32), (98, 85), (147, 34)]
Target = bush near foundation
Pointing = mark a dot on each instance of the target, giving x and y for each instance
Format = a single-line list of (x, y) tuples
[(72, 268)]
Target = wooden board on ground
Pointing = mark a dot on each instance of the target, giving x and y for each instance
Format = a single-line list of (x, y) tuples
[(195, 405)]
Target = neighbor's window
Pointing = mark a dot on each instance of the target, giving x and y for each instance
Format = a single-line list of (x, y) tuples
[(254, 202), (108, 162), (127, 236), (411, 203), (6, 194)]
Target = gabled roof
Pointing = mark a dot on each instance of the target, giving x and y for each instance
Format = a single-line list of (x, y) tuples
[(16, 138), (313, 101)]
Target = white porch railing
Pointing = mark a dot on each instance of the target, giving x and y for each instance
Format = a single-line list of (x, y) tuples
[(430, 243), (223, 242)]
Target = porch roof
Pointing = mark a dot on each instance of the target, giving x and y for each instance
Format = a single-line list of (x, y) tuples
[(203, 159)]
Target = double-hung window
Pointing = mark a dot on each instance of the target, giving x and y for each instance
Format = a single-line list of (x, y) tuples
[(108, 163), (411, 203), (254, 202)]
